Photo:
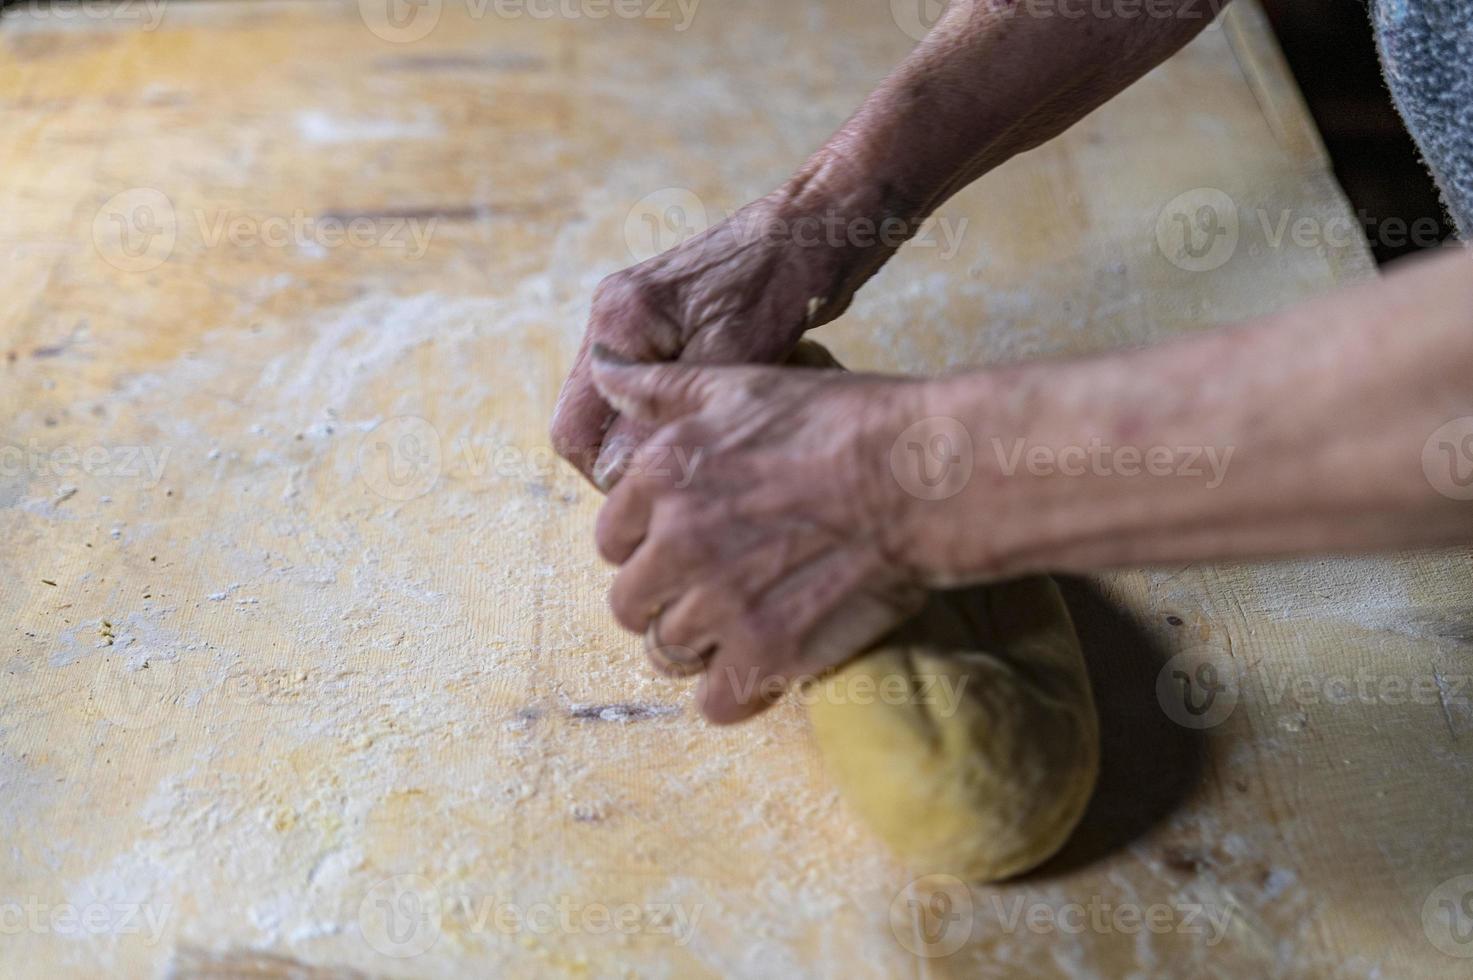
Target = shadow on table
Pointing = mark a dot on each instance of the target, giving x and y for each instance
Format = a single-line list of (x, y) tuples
[(1149, 765)]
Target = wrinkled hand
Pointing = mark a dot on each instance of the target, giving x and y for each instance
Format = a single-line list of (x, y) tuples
[(733, 294), (758, 530)]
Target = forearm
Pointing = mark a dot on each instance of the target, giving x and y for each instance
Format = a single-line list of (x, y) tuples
[(993, 78), (1301, 433)]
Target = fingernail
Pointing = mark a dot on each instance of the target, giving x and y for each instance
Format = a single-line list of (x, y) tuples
[(611, 462), (608, 355)]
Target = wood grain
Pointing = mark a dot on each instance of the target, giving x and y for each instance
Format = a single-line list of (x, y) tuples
[(303, 624)]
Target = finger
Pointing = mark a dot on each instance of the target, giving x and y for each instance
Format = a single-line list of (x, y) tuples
[(655, 393), (819, 616), (687, 630), (624, 520), (581, 418), (652, 579), (758, 649), (692, 622), (836, 609), (625, 435), (734, 347), (643, 588), (741, 680), (673, 554), (743, 559), (851, 628), (810, 593)]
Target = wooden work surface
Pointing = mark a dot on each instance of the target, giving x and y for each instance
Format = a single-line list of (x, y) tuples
[(305, 653)]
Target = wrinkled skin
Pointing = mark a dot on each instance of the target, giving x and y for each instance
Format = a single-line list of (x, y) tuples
[(786, 519), (733, 294), (777, 554)]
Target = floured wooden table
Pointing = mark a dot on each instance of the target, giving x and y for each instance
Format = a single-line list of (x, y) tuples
[(306, 661)]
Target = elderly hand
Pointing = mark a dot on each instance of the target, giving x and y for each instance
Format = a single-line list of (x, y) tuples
[(741, 292), (761, 534)]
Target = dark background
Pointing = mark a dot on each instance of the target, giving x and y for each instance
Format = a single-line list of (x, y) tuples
[(1332, 50)]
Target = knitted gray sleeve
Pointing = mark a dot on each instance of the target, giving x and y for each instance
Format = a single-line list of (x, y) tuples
[(1427, 53)]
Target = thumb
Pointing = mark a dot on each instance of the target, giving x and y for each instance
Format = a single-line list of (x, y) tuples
[(654, 393)]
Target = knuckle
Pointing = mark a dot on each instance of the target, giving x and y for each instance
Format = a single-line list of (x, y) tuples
[(607, 537), (770, 638), (685, 384), (625, 603), (683, 636), (575, 451), (758, 383), (668, 667), (762, 634), (654, 469), (632, 311), (699, 614), (613, 530), (563, 435), (575, 432), (620, 297), (682, 522), (612, 288), (675, 433)]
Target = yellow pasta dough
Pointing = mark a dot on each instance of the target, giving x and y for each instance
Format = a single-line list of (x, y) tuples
[(967, 740)]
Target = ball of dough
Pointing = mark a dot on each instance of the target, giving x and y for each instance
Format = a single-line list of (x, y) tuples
[(967, 739)]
